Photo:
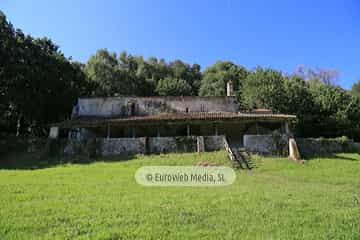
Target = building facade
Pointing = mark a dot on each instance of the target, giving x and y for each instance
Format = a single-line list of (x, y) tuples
[(172, 124)]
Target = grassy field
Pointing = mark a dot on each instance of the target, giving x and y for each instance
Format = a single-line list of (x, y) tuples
[(279, 199)]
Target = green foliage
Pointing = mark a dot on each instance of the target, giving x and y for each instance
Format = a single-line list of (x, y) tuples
[(279, 199), (102, 69), (331, 111), (38, 84), (264, 88), (7, 66), (132, 75), (322, 109), (173, 87), (355, 89), (216, 76), (297, 94), (343, 140)]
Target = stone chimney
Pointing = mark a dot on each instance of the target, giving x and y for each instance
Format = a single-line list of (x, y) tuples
[(229, 89)]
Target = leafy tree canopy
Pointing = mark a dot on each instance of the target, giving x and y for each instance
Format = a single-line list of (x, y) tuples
[(355, 89), (216, 76), (173, 87), (39, 85), (264, 88)]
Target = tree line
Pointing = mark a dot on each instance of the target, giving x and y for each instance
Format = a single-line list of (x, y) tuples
[(39, 85)]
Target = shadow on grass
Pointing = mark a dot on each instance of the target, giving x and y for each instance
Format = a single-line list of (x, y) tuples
[(33, 161), (335, 156)]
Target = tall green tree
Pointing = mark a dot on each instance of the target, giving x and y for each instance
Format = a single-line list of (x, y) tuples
[(297, 94), (38, 84), (47, 84), (355, 89), (8, 64), (331, 103), (173, 87), (264, 88), (299, 101), (102, 69), (7, 53), (191, 74), (196, 77), (216, 76), (133, 75)]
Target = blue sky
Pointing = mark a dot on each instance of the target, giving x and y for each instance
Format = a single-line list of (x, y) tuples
[(277, 34)]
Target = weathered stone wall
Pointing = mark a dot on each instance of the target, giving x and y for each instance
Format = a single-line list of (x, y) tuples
[(214, 143), (323, 146), (114, 146), (126, 106), (172, 144), (355, 147), (267, 144), (162, 145)]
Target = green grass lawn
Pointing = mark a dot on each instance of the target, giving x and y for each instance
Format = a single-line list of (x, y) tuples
[(279, 199)]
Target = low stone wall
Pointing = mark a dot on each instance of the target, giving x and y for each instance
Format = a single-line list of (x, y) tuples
[(324, 146), (114, 146), (355, 147), (172, 144), (214, 143), (262, 144), (267, 144), (278, 145), (183, 144), (161, 145)]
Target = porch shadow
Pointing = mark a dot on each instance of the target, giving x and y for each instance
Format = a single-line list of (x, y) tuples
[(31, 161), (333, 156)]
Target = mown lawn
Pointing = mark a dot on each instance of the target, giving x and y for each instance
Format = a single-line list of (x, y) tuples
[(280, 199)]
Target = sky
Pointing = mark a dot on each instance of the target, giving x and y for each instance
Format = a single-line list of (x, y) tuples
[(278, 34)]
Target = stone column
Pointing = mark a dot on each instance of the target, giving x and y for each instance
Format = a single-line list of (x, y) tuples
[(108, 131), (200, 144), (54, 132), (287, 129), (157, 131), (133, 132)]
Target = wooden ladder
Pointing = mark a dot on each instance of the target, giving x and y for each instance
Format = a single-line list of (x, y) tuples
[(239, 157), (244, 158)]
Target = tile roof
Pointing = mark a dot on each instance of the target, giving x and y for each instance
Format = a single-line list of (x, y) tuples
[(177, 117)]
